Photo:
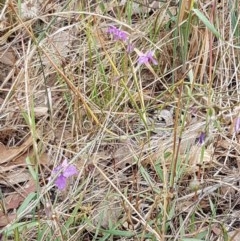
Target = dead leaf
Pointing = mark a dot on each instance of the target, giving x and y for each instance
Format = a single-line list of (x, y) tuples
[(40, 111), (15, 199), (227, 190), (196, 159), (21, 160), (7, 154), (137, 8), (184, 206), (58, 43), (234, 235), (123, 156), (107, 212), (164, 117), (6, 219), (12, 178), (223, 143), (7, 57), (7, 133)]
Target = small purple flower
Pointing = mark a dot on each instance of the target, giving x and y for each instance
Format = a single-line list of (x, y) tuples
[(201, 138), (117, 33), (237, 125), (147, 58), (64, 171)]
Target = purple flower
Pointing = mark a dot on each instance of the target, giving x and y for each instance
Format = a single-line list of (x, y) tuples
[(201, 138), (237, 125), (147, 58), (117, 33), (64, 171)]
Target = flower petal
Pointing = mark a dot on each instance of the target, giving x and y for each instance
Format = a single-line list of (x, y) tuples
[(64, 163), (121, 35), (61, 167), (70, 171), (143, 59), (150, 54), (154, 61), (117, 33), (202, 138), (56, 169), (61, 182), (151, 58)]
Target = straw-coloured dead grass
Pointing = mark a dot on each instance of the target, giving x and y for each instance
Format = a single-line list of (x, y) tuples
[(156, 145)]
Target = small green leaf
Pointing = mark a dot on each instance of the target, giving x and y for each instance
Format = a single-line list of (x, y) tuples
[(20, 226), (26, 202), (206, 22), (119, 233)]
